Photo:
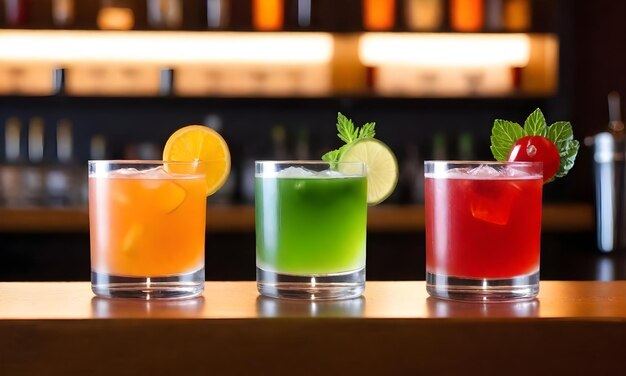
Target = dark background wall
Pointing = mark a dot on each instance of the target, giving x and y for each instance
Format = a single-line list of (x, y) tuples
[(592, 39)]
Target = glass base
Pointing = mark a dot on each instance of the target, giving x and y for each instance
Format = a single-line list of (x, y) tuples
[(170, 287), (483, 290), (324, 286)]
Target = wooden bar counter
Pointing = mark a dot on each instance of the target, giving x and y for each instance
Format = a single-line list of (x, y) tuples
[(573, 328)]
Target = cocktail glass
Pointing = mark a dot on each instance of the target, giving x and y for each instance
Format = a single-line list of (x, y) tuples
[(311, 222), (147, 226), (483, 229)]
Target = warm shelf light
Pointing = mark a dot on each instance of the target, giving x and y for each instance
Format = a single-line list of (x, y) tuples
[(444, 49), (165, 47)]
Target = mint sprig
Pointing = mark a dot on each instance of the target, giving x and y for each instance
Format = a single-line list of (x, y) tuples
[(505, 133), (349, 134)]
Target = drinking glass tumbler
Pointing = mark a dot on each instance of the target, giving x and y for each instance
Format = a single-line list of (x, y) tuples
[(311, 223), (483, 229), (147, 226)]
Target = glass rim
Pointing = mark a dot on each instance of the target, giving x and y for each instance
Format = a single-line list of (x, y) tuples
[(142, 161), (304, 161), (480, 162)]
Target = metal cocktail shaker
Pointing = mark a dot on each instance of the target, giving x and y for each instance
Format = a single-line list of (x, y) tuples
[(609, 155)]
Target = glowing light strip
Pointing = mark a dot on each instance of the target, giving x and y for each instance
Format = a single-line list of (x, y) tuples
[(165, 47), (444, 49)]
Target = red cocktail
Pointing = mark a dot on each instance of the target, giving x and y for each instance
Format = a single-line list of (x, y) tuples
[(483, 227)]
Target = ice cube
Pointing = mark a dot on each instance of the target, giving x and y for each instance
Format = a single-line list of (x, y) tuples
[(484, 170), (164, 196), (154, 173), (132, 238), (295, 172), (124, 172), (515, 172), (329, 174), (492, 201), (153, 178)]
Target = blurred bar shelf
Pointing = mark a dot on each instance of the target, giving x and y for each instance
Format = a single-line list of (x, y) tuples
[(283, 64), (572, 328), (570, 217)]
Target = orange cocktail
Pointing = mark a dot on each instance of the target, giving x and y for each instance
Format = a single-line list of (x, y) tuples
[(147, 224)]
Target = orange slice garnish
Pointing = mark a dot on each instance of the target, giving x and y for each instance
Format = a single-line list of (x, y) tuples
[(200, 143)]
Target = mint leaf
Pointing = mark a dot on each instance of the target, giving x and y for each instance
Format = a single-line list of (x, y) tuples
[(503, 135), (560, 131), (568, 149), (331, 156), (367, 131), (349, 134), (562, 135), (535, 124)]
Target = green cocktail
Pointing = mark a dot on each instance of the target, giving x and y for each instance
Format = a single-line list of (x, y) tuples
[(310, 228), (311, 225)]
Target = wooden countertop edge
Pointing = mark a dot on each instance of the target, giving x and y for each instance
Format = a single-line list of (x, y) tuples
[(311, 347), (569, 217), (564, 339)]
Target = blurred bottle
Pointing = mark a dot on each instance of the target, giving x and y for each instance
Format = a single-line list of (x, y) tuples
[(63, 13), (424, 15), (378, 15), (218, 14), (33, 173), (609, 157), (466, 15), (97, 147), (440, 147), (166, 82), (304, 13), (247, 183), (16, 12), (494, 15), (279, 143), (12, 140), (165, 14), (279, 152), (63, 177), (465, 147), (303, 148), (116, 15), (58, 81), (517, 15), (412, 175), (268, 15), (10, 169)]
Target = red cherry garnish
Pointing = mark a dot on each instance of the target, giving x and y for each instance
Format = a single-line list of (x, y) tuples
[(536, 149)]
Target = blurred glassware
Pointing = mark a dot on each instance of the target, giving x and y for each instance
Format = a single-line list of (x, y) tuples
[(63, 12), (116, 15), (378, 15), (466, 15), (16, 12), (304, 13), (494, 15), (610, 189), (424, 15), (268, 15), (33, 173), (10, 172), (218, 14), (165, 14), (64, 178), (517, 15)]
